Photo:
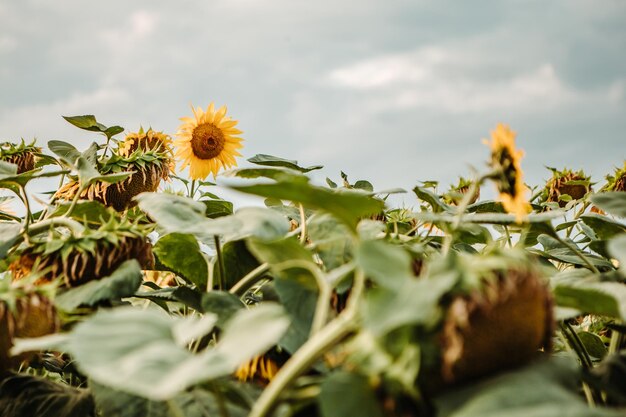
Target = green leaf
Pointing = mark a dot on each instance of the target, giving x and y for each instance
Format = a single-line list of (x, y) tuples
[(66, 151), (155, 344), (348, 394), (238, 262), (271, 173), (181, 254), (613, 202), (195, 402), (221, 303), (543, 389), (331, 240), (174, 213), (604, 227), (7, 169), (269, 160), (88, 174), (9, 236), (86, 122), (556, 250), (349, 206), (85, 211), (364, 185), (217, 208), (593, 344), (585, 292), (415, 302), (432, 199), (617, 249), (24, 395), (122, 283), (112, 131), (387, 265)]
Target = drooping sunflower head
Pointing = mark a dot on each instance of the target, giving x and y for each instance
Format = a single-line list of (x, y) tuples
[(566, 185), (208, 142), (150, 140), (455, 193), (21, 154), (508, 175), (616, 181), (94, 254)]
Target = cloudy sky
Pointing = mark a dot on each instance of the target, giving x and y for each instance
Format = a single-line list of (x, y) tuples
[(392, 91)]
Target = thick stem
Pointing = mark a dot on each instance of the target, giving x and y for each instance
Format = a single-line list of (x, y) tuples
[(75, 227), (302, 225), (335, 331)]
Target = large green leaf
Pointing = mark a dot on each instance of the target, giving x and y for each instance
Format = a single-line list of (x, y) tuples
[(29, 396), (612, 202), (122, 283), (195, 402), (9, 235), (543, 389), (181, 254), (221, 303), (66, 151), (89, 122), (554, 249), (155, 344), (85, 211), (432, 199), (349, 206), (272, 173), (604, 227), (88, 174), (238, 262), (585, 292), (348, 394), (176, 214), (386, 264), (617, 249), (274, 161), (331, 240)]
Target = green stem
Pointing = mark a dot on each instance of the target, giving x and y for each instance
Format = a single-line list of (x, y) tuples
[(192, 191), (467, 198), (302, 225), (335, 331), (576, 344), (220, 262), (325, 291), (252, 277), (75, 227), (617, 338), (28, 216)]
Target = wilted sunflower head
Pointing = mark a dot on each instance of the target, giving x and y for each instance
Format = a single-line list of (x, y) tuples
[(507, 171), (21, 154), (617, 181), (566, 185), (455, 193), (146, 140), (208, 142), (26, 310), (76, 259), (501, 311), (149, 165)]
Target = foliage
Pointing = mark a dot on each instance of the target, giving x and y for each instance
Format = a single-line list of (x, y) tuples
[(328, 299)]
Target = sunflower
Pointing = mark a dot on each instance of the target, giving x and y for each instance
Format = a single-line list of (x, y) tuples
[(21, 154), (208, 142), (617, 181), (508, 175), (147, 141), (566, 185)]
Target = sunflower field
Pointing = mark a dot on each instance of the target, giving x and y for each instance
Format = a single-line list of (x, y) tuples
[(132, 289)]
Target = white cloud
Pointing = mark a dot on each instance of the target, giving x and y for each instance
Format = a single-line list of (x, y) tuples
[(430, 78)]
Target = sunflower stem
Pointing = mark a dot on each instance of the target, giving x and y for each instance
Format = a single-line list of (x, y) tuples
[(75, 227), (28, 216), (305, 357), (220, 262), (192, 191), (302, 224), (246, 282), (617, 338)]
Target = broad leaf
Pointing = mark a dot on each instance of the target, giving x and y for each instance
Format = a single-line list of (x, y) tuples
[(181, 254), (612, 202), (269, 160), (9, 235), (386, 264), (66, 151), (348, 394), (124, 282)]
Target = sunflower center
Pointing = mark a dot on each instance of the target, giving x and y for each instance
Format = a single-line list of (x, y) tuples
[(207, 141)]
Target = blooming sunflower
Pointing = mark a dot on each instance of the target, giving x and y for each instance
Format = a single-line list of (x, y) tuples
[(208, 142), (508, 175)]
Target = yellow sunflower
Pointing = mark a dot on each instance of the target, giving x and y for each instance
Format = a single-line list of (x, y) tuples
[(208, 142), (505, 160)]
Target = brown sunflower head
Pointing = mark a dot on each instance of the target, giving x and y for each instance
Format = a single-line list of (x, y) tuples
[(455, 193), (21, 154), (148, 166), (25, 311), (498, 324), (617, 180), (75, 260), (566, 185), (149, 140)]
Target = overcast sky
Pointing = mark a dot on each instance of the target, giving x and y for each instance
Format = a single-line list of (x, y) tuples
[(392, 91)]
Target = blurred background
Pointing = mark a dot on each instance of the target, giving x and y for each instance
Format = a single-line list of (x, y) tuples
[(393, 91)]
